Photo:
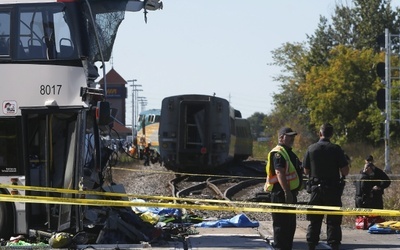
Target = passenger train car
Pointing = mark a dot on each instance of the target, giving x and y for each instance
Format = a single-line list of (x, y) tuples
[(199, 132), (147, 133)]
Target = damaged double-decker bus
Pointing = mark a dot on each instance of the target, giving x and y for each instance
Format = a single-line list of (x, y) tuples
[(52, 111)]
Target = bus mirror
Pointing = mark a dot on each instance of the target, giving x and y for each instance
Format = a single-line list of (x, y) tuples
[(103, 113)]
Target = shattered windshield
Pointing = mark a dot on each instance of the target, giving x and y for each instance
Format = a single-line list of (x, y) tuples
[(107, 17)]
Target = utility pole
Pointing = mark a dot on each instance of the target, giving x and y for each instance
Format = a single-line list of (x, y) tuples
[(143, 103), (134, 103)]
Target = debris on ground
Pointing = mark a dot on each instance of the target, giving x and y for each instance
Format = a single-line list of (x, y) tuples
[(387, 227), (240, 220)]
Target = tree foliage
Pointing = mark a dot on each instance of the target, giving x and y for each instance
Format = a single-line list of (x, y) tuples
[(256, 124), (289, 103), (331, 77), (342, 91)]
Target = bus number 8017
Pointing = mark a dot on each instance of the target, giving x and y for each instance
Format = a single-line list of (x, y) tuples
[(50, 89)]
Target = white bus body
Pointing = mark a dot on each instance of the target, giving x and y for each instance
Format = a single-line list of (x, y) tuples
[(50, 115)]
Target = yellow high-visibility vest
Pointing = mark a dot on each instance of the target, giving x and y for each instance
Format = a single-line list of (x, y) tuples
[(290, 171)]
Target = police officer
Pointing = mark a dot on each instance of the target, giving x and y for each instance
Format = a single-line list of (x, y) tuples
[(283, 181), (370, 186), (326, 165)]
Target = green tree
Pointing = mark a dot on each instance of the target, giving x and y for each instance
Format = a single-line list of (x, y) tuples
[(332, 77), (343, 93), (289, 103), (371, 19), (256, 124), (321, 43), (360, 26)]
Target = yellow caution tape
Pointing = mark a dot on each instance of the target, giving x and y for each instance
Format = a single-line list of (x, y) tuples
[(297, 207), (121, 203), (124, 195)]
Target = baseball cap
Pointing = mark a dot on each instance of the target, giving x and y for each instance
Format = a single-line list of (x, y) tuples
[(286, 131)]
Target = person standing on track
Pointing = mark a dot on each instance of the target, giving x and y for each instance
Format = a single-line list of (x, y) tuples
[(284, 180), (326, 165), (146, 154)]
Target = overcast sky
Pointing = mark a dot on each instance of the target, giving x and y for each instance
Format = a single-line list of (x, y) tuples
[(206, 47)]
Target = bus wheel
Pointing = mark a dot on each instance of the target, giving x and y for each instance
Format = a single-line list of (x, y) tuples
[(6, 221)]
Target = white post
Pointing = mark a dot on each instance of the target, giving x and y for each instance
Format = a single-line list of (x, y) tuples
[(388, 106)]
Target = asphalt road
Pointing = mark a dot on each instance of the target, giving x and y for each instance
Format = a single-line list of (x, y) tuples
[(351, 239), (257, 238)]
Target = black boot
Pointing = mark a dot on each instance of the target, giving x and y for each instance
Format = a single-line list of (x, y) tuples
[(311, 246), (335, 246)]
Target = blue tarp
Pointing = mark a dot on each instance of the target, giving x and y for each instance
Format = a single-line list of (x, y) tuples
[(380, 230), (167, 211), (156, 210), (240, 220)]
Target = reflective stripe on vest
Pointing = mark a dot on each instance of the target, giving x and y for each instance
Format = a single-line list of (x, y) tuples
[(290, 171), (289, 177)]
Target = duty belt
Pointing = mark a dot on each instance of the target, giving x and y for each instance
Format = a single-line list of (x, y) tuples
[(317, 181)]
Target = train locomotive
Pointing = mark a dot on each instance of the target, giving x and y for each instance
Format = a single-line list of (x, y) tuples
[(147, 134), (199, 133)]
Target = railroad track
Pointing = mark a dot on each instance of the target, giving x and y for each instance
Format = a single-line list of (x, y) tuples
[(234, 190), (226, 188), (237, 182)]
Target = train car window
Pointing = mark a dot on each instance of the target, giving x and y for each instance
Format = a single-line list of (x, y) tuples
[(4, 33), (157, 118)]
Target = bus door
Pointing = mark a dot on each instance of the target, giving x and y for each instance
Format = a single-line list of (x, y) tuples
[(54, 150), (11, 171)]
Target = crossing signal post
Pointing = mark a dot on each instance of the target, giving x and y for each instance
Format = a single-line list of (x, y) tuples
[(381, 69), (381, 99), (383, 96)]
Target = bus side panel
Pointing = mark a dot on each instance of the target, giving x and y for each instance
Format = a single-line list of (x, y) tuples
[(55, 87)]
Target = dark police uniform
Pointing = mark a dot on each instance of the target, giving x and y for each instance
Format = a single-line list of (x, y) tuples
[(284, 225), (324, 160), (366, 196)]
